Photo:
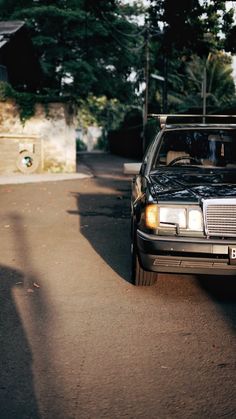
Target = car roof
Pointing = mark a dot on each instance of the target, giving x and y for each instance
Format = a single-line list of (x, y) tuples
[(199, 126), (191, 121)]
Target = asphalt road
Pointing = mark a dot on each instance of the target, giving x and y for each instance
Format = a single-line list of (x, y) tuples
[(77, 340)]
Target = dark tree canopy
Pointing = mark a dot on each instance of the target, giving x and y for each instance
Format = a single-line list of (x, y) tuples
[(90, 47), (85, 46), (192, 26), (182, 35)]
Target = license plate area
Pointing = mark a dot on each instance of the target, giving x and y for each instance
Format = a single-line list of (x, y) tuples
[(232, 255)]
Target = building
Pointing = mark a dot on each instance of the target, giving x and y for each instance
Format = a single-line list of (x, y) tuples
[(47, 140), (18, 62)]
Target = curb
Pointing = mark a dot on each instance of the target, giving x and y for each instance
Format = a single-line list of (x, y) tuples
[(32, 178)]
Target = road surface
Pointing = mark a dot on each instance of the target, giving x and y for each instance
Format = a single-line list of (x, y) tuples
[(77, 340)]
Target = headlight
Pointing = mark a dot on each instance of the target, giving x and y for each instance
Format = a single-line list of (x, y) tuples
[(195, 221), (151, 216), (184, 217), (174, 216)]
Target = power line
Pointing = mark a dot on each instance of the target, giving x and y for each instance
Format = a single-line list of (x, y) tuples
[(132, 50), (109, 24), (137, 15), (131, 35)]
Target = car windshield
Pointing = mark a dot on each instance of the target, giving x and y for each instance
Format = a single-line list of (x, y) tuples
[(201, 147)]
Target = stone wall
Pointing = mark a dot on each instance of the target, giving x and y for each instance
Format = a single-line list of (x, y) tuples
[(49, 136)]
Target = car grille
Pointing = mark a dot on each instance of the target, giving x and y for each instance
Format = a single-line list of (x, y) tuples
[(183, 262), (220, 217)]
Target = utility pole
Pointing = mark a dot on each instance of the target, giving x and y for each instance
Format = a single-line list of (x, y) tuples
[(146, 78), (204, 93), (165, 93)]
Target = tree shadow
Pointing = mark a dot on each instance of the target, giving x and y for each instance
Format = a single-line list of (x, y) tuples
[(222, 291), (17, 395), (104, 220), (26, 351)]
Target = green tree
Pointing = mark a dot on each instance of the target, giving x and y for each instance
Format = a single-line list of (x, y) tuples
[(191, 26), (84, 46), (220, 86), (183, 31)]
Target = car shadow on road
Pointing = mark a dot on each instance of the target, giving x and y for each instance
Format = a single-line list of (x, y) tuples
[(222, 290), (17, 396), (104, 220)]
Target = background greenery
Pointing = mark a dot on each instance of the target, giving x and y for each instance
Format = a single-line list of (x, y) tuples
[(96, 52)]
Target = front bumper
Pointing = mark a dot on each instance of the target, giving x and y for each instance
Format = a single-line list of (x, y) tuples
[(185, 254)]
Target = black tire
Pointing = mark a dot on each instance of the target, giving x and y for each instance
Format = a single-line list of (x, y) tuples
[(139, 276)]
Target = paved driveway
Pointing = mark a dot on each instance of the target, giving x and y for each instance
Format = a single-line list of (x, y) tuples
[(77, 340)]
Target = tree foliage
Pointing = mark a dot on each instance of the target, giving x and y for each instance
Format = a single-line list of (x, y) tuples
[(220, 86), (84, 46), (183, 35), (89, 48), (192, 26)]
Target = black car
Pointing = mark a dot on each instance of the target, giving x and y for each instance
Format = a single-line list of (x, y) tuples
[(184, 202)]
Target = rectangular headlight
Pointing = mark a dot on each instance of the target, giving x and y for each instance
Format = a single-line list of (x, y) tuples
[(173, 216), (185, 217)]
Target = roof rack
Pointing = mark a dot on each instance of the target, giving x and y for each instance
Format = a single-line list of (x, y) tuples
[(174, 118)]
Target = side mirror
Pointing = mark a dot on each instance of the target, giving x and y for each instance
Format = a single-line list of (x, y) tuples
[(131, 168)]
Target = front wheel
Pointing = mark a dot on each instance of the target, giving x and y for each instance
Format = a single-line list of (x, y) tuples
[(138, 275)]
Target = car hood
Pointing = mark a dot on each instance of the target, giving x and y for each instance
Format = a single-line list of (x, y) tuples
[(193, 184)]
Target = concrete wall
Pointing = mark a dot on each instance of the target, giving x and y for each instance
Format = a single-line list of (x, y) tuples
[(50, 134)]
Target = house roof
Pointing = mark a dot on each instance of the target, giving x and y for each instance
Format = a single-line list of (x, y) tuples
[(3, 41), (7, 29), (17, 54), (10, 27)]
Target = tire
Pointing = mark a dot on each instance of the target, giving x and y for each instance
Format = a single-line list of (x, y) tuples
[(139, 276), (27, 162)]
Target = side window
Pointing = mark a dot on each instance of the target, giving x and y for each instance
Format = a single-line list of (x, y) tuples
[(148, 156), (163, 145)]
